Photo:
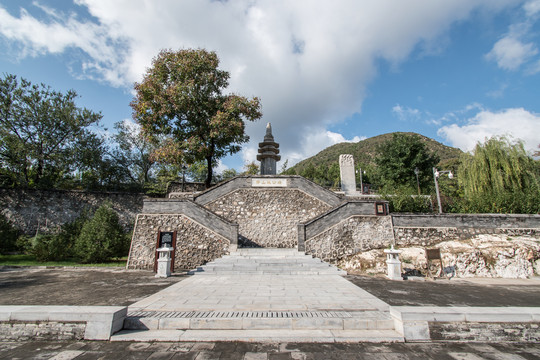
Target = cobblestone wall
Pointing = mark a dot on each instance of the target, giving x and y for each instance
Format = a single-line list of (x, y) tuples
[(351, 236), (429, 236), (491, 332), (268, 217), (41, 331), (51, 208), (195, 244)]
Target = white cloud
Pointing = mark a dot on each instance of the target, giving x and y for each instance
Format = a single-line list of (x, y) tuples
[(310, 144), (405, 113), (510, 53), (308, 61), (517, 123), (532, 7)]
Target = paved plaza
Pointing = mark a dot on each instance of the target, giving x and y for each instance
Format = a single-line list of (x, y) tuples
[(265, 351)]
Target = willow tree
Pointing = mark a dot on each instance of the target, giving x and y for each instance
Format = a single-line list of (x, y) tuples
[(180, 101), (500, 177)]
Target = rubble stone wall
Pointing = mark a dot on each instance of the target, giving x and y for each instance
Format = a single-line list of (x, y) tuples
[(195, 244), (353, 235), (420, 236), (28, 208), (41, 331), (268, 217)]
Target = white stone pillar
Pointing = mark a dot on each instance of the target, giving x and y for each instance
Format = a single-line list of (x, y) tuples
[(164, 262), (393, 264)]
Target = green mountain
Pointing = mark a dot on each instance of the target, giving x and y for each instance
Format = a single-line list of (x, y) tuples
[(365, 152)]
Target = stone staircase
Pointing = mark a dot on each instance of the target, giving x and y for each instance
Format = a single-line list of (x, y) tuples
[(278, 295), (267, 262)]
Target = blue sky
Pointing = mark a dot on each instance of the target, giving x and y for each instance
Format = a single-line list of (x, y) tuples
[(457, 71)]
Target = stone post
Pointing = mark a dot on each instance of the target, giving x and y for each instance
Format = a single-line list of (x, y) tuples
[(347, 174), (164, 262), (393, 264)]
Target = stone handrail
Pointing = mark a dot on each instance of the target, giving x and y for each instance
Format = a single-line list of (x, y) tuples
[(195, 212), (333, 217)]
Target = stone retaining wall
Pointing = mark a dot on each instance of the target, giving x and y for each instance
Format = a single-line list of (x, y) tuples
[(268, 217), (353, 235), (28, 208), (195, 244), (429, 230), (41, 331)]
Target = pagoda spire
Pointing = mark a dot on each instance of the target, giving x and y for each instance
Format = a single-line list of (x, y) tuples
[(268, 153)]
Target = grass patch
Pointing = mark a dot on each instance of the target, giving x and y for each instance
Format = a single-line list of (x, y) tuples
[(30, 260)]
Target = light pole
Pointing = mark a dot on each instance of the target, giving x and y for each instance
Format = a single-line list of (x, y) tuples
[(436, 174), (416, 172), (359, 171)]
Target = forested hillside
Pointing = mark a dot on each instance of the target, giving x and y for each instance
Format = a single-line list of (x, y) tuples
[(365, 152)]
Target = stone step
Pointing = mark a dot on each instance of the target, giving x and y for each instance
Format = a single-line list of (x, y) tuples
[(267, 261), (259, 320), (291, 336)]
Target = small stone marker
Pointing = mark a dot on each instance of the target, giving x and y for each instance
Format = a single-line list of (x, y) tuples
[(346, 171), (393, 264)]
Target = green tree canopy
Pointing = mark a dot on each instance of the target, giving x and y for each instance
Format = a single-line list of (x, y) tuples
[(181, 100), (132, 152), (43, 134), (500, 177), (399, 157)]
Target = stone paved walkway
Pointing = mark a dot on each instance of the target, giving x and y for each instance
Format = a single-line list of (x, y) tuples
[(261, 293), (265, 351)]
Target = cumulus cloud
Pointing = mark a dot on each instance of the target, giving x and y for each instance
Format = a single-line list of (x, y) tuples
[(517, 123), (510, 53), (532, 7), (311, 143), (308, 61), (513, 50)]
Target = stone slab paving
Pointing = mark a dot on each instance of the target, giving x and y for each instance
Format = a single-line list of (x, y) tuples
[(264, 351), (261, 293)]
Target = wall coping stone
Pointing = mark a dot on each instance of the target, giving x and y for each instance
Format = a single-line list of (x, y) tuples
[(484, 221), (413, 321), (333, 217), (101, 321), (244, 181)]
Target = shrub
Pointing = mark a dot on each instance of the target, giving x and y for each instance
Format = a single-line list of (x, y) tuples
[(54, 247), (50, 247), (404, 199), (8, 235), (101, 237)]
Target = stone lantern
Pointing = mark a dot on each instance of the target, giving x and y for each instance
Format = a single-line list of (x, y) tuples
[(393, 264), (164, 262)]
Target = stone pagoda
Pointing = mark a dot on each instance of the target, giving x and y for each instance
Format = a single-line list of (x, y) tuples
[(268, 153)]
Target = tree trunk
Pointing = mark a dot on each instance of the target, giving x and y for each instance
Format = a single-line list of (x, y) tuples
[(209, 174)]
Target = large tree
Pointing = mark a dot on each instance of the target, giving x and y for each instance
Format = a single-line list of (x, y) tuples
[(132, 152), (399, 156), (42, 132), (180, 101), (500, 177)]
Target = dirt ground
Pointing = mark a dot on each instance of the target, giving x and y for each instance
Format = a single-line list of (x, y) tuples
[(117, 286)]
